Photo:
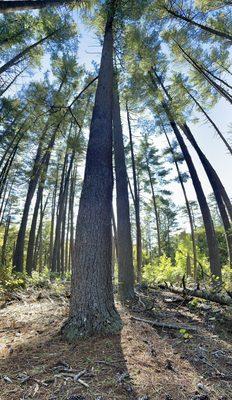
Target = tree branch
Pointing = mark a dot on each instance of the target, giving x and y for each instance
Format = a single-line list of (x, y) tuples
[(22, 5)]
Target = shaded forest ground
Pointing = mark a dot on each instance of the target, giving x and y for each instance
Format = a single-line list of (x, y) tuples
[(141, 363)]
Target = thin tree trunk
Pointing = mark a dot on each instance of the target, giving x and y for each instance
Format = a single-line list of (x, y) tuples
[(16, 136), (137, 205), (217, 87), (63, 230), (229, 148), (188, 266), (92, 309), (224, 35), (210, 171), (53, 212), (23, 5), (155, 209), (71, 216), (214, 258), (5, 239), (3, 202), (67, 234), (115, 234), (216, 186), (12, 82), (6, 169), (56, 255), (125, 252), (216, 77), (19, 249), (24, 52), (191, 222), (8, 130), (43, 173), (40, 250), (15, 36), (39, 238)]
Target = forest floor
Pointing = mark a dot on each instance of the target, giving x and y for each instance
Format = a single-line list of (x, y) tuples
[(141, 363)]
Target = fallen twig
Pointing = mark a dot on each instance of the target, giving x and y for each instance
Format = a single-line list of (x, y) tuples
[(221, 377), (83, 383), (164, 325), (110, 364)]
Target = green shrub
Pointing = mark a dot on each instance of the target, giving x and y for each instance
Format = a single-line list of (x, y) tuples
[(10, 280)]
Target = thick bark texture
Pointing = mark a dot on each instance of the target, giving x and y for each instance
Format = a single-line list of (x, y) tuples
[(92, 309), (125, 253)]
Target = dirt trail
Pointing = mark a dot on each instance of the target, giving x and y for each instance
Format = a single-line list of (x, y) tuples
[(142, 363)]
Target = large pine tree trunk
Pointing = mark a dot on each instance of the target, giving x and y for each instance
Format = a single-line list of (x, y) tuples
[(125, 253), (92, 309), (136, 204)]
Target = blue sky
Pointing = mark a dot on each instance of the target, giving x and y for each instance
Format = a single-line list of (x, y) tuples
[(205, 135), (89, 51)]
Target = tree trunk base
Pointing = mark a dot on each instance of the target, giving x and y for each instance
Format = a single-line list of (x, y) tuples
[(126, 294), (83, 326)]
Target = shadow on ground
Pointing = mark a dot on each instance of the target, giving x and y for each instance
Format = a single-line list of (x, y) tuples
[(37, 364), (208, 351), (142, 363)]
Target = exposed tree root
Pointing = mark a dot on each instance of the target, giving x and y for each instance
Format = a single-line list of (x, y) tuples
[(76, 327)]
